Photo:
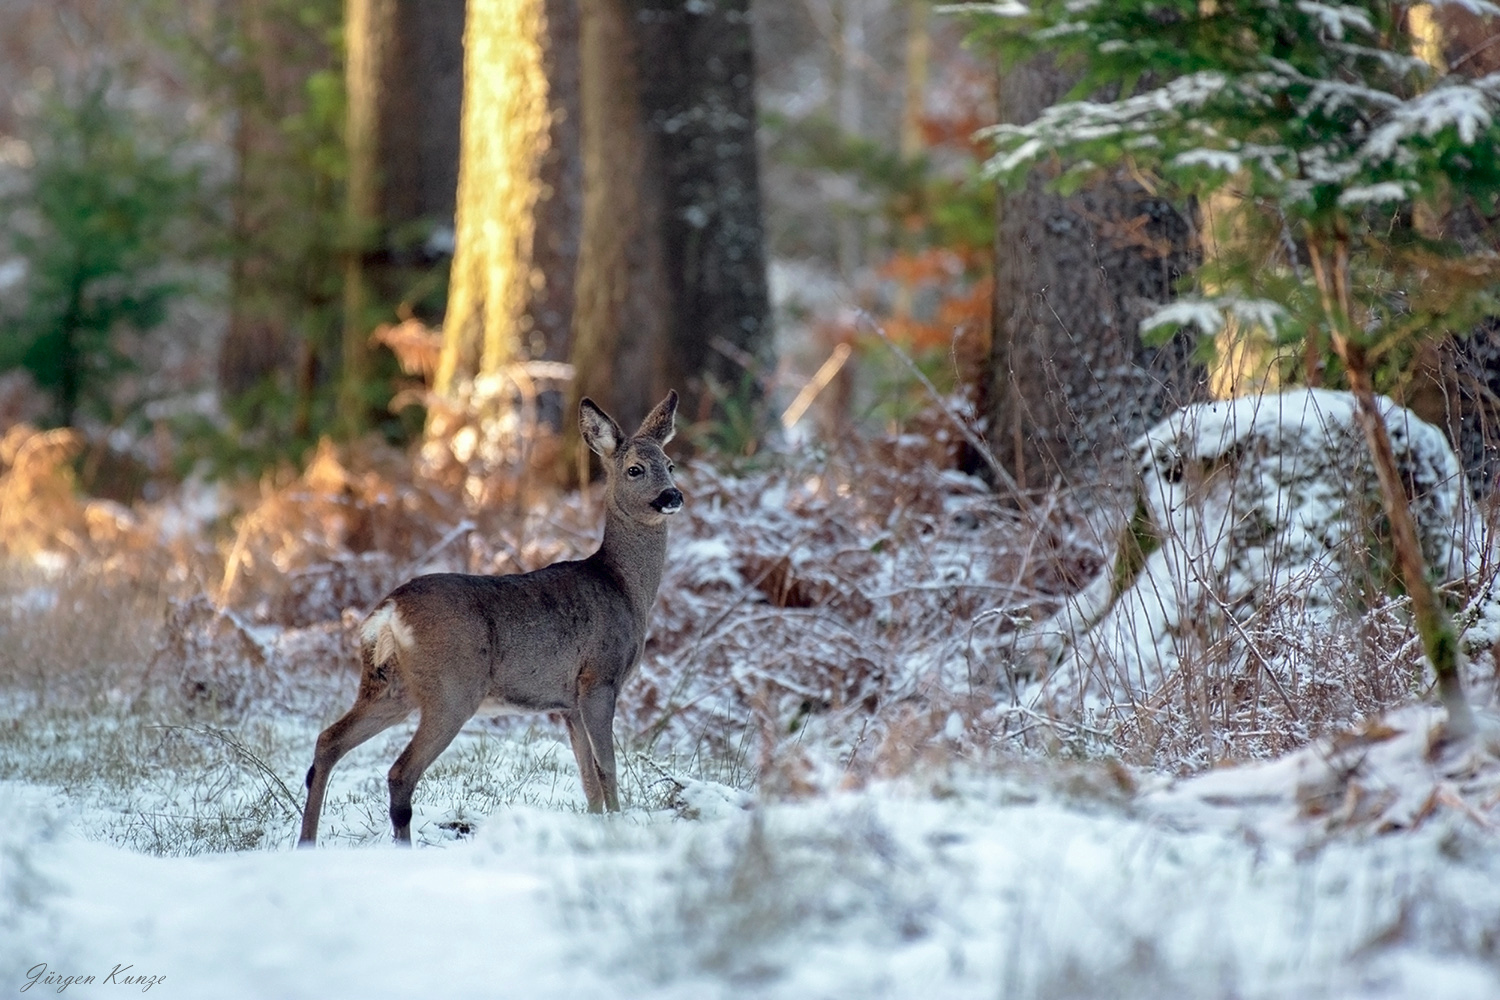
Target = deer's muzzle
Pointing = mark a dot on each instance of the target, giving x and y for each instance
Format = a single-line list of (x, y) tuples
[(668, 501)]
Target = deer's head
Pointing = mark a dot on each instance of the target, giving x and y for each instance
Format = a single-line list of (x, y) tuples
[(638, 473)]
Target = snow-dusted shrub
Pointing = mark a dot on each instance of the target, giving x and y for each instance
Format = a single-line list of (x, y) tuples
[(827, 600), (1254, 561), (216, 661), (79, 641), (1394, 772)]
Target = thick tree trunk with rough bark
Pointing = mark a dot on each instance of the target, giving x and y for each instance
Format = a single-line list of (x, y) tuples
[(513, 189), (622, 311), (403, 81), (560, 215), (672, 280), (1070, 384), (697, 74), (419, 112)]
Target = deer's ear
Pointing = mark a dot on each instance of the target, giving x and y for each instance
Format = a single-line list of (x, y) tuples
[(661, 423), (600, 432)]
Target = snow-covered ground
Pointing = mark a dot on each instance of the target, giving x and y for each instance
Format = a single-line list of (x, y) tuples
[(960, 880)]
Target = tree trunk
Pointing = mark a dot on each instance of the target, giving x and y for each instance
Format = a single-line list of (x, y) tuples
[(622, 310), (560, 215), (914, 99), (1069, 383), (418, 116), (846, 35), (513, 214), (697, 74), (370, 35)]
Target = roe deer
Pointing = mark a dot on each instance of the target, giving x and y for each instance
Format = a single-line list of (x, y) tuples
[(564, 638)]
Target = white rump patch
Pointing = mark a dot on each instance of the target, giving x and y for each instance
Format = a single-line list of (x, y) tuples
[(387, 632)]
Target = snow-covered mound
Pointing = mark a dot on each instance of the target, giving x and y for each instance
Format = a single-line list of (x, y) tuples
[(1394, 773), (1260, 522)]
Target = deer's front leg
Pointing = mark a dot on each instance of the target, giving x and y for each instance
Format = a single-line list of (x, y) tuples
[(588, 770), (596, 707)]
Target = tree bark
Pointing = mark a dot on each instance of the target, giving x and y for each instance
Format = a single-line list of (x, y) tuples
[(697, 75), (514, 203), (622, 309), (671, 281), (918, 55), (1069, 383), (370, 33), (418, 114)]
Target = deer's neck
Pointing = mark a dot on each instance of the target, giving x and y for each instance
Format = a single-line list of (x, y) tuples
[(635, 554)]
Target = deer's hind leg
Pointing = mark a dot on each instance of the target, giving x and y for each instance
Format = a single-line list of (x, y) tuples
[(369, 717), (434, 732)]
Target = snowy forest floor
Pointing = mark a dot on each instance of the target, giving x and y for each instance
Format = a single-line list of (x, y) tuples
[(1024, 881), (833, 786)]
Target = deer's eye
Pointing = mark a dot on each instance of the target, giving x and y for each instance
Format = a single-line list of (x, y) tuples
[(635, 472)]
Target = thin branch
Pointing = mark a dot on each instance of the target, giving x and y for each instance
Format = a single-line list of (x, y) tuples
[(975, 441)]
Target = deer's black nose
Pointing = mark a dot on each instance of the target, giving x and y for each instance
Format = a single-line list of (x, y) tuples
[(668, 501)]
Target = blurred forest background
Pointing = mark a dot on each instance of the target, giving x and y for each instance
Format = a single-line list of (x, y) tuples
[(235, 229)]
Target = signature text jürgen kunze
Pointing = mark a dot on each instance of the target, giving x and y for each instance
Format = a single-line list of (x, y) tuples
[(121, 975)]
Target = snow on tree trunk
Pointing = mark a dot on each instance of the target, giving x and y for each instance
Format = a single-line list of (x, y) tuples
[(1260, 518)]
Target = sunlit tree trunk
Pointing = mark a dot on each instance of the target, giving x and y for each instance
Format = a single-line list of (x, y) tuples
[(511, 251), (370, 28), (918, 54)]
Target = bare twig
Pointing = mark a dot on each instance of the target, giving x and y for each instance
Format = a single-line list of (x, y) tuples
[(1002, 475), (459, 529), (817, 384), (245, 755)]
